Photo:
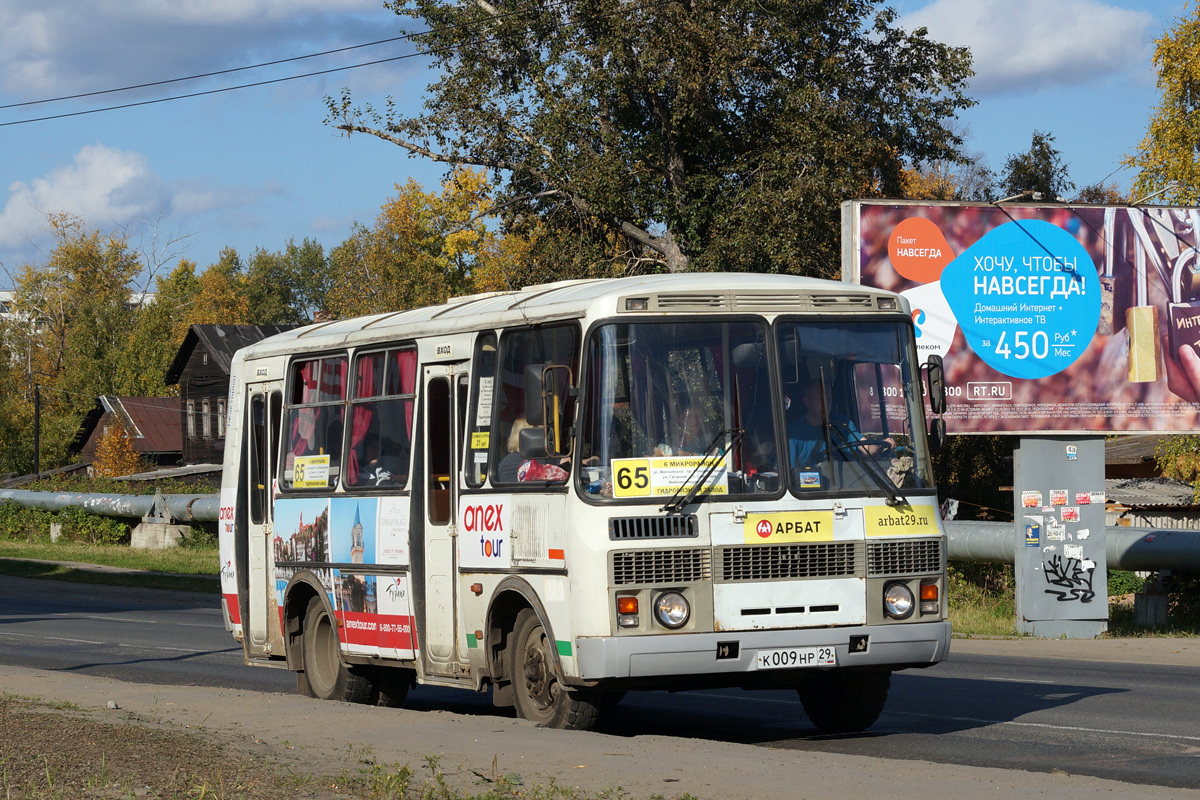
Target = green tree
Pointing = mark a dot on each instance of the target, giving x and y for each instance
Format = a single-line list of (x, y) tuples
[(423, 248), (158, 331), (1038, 169), (1169, 155), (687, 134), (78, 301), (287, 286), (1101, 194)]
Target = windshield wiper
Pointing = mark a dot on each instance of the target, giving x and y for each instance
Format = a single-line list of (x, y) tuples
[(678, 500), (869, 466)]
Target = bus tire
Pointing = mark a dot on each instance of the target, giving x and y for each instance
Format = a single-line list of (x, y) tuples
[(538, 690), (391, 685), (844, 701), (328, 678)]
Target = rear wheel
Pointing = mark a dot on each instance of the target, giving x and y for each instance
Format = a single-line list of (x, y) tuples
[(844, 701), (539, 693), (324, 673)]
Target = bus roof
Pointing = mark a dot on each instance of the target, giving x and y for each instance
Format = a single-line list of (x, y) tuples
[(711, 292)]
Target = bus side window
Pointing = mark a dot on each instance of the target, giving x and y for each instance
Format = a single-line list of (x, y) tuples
[(381, 418), (549, 347), (478, 423), (315, 415)]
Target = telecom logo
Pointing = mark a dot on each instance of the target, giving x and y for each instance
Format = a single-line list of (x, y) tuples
[(918, 317)]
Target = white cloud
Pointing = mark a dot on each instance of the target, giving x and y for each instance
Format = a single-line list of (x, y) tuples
[(1024, 45), (225, 11), (103, 186), (55, 47)]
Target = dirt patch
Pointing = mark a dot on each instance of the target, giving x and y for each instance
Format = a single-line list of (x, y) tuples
[(62, 752)]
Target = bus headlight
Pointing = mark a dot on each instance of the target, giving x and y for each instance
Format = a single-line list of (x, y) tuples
[(898, 601), (672, 609)]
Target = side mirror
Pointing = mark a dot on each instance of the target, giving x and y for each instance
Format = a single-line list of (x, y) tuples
[(937, 434), (936, 376), (534, 408), (531, 443)]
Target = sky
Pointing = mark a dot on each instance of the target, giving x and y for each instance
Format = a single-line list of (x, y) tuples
[(256, 167)]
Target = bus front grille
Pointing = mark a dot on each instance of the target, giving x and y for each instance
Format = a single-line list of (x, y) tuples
[(657, 567), (672, 527), (914, 557), (788, 561)]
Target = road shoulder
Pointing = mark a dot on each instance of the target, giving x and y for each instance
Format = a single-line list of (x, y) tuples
[(312, 736)]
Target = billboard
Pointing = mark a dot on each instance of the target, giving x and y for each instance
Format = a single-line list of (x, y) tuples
[(1050, 318)]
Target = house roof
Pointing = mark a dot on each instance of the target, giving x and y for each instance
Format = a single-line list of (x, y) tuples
[(153, 423), (221, 342), (1132, 449), (1149, 492)]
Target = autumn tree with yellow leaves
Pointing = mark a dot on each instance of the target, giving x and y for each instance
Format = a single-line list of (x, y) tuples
[(1168, 158), (115, 454), (423, 248)]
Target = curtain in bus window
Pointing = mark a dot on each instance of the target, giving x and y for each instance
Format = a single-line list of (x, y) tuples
[(404, 369), (369, 382), (333, 380), (306, 386), (366, 384)]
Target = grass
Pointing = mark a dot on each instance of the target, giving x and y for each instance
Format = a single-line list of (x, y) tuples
[(176, 568), (180, 560)]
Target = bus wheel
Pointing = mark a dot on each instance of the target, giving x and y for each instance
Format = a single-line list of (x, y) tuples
[(391, 685), (539, 693), (844, 701), (327, 677)]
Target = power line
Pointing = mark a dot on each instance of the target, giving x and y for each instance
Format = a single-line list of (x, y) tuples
[(206, 74), (207, 92), (254, 84)]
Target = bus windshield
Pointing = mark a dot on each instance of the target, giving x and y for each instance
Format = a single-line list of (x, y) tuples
[(852, 407), (662, 395), (665, 393)]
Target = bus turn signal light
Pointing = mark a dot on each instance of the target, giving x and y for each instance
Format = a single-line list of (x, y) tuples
[(627, 611), (929, 598)]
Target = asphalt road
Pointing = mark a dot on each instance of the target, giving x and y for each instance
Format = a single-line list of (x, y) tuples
[(1123, 721)]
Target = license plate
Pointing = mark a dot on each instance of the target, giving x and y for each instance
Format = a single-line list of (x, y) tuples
[(793, 657)]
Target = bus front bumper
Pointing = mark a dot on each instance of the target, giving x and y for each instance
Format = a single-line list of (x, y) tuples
[(917, 644)]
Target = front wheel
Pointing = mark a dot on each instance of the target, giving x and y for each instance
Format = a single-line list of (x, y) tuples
[(538, 691), (325, 676), (844, 701)]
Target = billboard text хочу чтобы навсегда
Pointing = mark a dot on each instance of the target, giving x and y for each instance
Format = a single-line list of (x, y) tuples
[(1050, 318)]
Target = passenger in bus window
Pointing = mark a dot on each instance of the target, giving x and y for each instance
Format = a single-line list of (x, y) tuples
[(514, 468), (511, 463), (374, 470)]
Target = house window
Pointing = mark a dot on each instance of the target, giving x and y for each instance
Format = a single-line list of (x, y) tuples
[(206, 418), (191, 419), (220, 419)]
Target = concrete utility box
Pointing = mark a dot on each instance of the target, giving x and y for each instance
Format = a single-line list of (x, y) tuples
[(1060, 560)]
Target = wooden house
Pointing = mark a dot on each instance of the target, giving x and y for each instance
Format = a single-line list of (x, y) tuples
[(152, 423), (201, 368)]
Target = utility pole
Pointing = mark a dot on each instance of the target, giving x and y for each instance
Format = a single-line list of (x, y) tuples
[(37, 429)]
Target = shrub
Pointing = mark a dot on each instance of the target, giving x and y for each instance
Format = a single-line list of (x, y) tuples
[(20, 524)]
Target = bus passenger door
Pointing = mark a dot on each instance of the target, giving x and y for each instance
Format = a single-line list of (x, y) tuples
[(261, 452), (441, 513)]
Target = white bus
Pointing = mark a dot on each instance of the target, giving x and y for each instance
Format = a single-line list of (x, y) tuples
[(582, 488)]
